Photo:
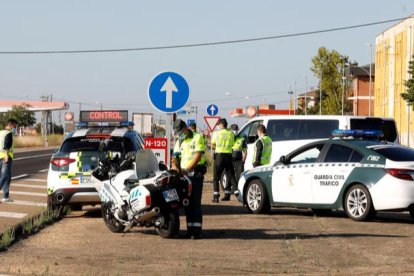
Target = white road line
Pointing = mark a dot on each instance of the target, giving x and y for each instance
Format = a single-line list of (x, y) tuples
[(44, 170), (28, 193), (28, 203), (29, 186), (19, 176), (36, 180), (33, 156), (12, 214)]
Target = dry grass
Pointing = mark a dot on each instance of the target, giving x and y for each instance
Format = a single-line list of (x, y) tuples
[(37, 141)]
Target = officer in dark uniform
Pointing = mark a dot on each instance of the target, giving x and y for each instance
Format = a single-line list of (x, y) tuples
[(239, 151), (189, 158), (222, 143)]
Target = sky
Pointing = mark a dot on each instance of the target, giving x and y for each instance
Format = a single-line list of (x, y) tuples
[(229, 75)]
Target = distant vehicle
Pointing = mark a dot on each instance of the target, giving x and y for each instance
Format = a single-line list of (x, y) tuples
[(69, 180), (290, 132), (357, 175)]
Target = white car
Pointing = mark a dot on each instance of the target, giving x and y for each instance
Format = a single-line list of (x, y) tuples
[(69, 180), (360, 176)]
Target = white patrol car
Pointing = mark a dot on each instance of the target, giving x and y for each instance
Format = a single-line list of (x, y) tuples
[(360, 176), (69, 180)]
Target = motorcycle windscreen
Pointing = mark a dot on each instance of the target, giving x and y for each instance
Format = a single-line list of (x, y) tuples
[(145, 163)]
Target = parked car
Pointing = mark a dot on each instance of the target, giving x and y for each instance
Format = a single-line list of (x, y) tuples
[(69, 181), (359, 175)]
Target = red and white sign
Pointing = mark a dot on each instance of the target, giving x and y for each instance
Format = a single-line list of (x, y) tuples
[(159, 147), (212, 121), (251, 111), (206, 132)]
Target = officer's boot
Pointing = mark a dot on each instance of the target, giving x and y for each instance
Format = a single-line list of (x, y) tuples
[(215, 199), (226, 197)]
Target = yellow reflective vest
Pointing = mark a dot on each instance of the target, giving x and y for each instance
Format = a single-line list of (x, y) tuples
[(186, 148), (223, 140), (267, 150)]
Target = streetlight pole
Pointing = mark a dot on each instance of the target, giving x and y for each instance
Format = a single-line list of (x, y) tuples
[(306, 93), (343, 86), (290, 100), (320, 95)]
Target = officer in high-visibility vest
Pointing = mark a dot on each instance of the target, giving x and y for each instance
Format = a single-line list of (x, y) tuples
[(239, 151), (189, 158), (6, 157), (262, 148), (222, 144)]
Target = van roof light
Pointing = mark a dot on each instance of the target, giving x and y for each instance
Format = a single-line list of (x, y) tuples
[(357, 133)]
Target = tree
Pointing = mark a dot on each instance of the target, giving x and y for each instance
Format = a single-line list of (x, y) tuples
[(328, 66), (408, 96), (20, 113)]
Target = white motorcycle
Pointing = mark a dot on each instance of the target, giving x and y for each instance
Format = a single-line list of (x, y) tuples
[(135, 192)]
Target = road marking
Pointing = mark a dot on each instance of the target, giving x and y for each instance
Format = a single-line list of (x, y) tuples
[(12, 215), (28, 193), (19, 176), (33, 156), (29, 186), (28, 203), (44, 170)]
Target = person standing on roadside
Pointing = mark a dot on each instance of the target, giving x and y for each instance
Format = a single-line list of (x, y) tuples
[(239, 152), (189, 158), (6, 157), (262, 148), (222, 144)]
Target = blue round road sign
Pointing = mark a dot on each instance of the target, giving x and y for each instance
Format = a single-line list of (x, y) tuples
[(212, 110), (168, 92)]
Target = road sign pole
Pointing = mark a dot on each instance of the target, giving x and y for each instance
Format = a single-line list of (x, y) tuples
[(168, 133)]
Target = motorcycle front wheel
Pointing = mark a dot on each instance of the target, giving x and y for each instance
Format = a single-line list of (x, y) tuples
[(171, 224), (111, 222)]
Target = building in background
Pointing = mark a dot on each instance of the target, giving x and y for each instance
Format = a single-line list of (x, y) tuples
[(394, 50), (362, 94)]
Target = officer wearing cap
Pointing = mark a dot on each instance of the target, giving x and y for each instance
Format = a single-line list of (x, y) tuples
[(262, 148), (222, 143), (193, 127), (189, 158), (239, 151)]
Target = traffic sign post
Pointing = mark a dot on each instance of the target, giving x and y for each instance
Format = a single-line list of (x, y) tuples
[(212, 110), (212, 121), (168, 92)]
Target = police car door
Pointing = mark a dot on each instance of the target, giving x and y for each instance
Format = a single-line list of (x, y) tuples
[(291, 181), (330, 175)]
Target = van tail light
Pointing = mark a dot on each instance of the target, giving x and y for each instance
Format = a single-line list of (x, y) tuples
[(401, 173), (61, 162), (148, 200)]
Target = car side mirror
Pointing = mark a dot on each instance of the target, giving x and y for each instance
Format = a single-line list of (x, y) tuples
[(282, 159)]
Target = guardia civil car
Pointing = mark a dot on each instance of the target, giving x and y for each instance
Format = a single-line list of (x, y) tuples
[(69, 181), (360, 176)]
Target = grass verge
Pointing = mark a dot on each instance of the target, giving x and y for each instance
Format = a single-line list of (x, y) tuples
[(31, 226), (37, 141)]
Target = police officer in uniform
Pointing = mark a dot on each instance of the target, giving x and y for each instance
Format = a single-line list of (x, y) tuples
[(262, 148), (6, 157), (189, 158), (239, 152), (222, 143)]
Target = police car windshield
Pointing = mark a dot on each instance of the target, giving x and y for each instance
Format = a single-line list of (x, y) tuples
[(116, 144), (396, 153)]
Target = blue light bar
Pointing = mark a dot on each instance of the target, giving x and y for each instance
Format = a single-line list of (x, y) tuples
[(126, 124), (357, 133)]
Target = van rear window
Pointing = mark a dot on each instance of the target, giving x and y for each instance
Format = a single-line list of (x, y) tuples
[(387, 126), (283, 130), (396, 153)]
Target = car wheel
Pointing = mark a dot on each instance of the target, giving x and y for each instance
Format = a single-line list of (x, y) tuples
[(358, 203), (256, 198), (224, 181)]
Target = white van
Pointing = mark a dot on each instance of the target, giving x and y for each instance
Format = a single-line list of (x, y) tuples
[(291, 132)]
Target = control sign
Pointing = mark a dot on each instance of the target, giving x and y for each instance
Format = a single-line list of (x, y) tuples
[(168, 92), (103, 115), (158, 147), (212, 110)]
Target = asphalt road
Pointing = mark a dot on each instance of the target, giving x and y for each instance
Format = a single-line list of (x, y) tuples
[(31, 162)]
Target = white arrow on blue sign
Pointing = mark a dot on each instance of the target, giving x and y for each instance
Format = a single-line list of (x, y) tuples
[(168, 92), (212, 110)]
